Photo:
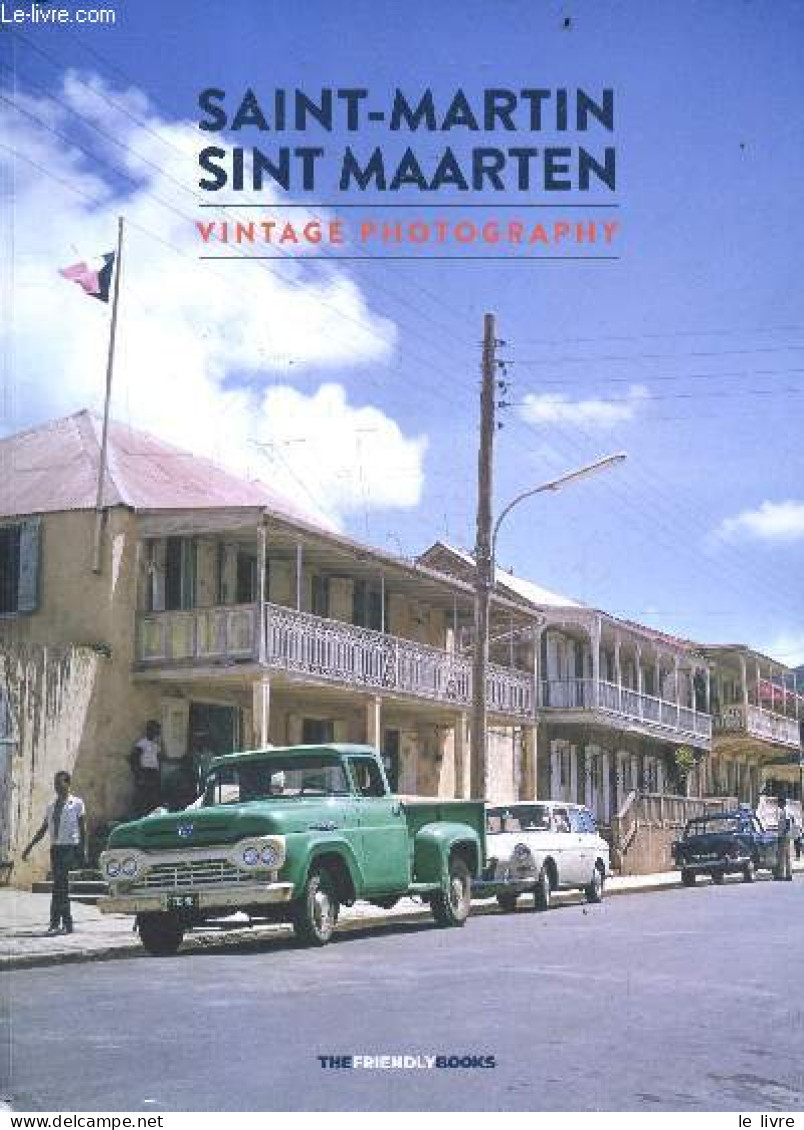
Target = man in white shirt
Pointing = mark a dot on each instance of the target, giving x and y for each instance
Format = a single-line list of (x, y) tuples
[(65, 820), (145, 758)]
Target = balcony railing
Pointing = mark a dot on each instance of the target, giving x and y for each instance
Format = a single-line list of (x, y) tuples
[(759, 723), (300, 643), (636, 706)]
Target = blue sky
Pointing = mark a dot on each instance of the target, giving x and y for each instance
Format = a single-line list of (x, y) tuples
[(688, 352)]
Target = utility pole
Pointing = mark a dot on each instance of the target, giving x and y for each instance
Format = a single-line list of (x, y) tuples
[(484, 565)]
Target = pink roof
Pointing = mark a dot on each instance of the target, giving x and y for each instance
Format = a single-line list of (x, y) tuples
[(55, 467)]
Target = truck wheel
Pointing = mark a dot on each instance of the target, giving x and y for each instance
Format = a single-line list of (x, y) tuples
[(749, 871), (506, 903), (718, 877), (543, 891), (315, 914), (594, 891), (688, 877), (451, 906), (160, 934)]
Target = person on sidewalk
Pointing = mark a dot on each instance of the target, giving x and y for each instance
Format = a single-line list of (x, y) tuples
[(145, 759), (65, 819), (784, 852)]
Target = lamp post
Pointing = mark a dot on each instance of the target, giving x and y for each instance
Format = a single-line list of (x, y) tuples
[(485, 575)]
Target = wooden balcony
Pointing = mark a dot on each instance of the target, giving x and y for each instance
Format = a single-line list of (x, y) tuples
[(754, 722), (310, 646), (617, 705)]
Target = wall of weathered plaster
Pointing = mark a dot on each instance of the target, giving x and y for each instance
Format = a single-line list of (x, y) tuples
[(90, 615)]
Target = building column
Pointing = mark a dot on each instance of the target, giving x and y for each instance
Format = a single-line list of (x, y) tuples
[(527, 784), (640, 684), (374, 722), (594, 637), (677, 681), (606, 779), (299, 568), (461, 755), (573, 761), (618, 673), (262, 594), (261, 711)]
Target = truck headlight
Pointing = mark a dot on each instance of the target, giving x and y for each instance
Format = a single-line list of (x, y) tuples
[(269, 856), (129, 866), (251, 856), (112, 868)]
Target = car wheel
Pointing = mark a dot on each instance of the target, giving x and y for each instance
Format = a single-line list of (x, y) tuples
[(749, 871), (160, 934), (315, 915), (718, 877), (594, 891), (688, 877), (507, 902), (543, 891), (451, 906)]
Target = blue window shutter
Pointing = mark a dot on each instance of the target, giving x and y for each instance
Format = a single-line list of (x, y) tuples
[(28, 591)]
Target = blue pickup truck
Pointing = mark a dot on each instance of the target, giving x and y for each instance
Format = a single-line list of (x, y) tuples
[(724, 843)]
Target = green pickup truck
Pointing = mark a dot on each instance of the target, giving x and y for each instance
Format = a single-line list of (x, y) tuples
[(291, 835)]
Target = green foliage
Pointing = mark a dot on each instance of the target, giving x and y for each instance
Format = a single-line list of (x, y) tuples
[(684, 761)]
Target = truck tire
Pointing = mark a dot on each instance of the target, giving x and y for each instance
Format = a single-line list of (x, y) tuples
[(506, 902), (594, 889), (543, 891), (749, 871), (451, 906), (718, 877), (688, 877), (161, 934), (315, 914)]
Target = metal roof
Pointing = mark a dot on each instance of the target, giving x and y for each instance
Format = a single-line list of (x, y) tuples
[(54, 467)]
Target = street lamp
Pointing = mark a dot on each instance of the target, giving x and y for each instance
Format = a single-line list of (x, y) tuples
[(485, 577)]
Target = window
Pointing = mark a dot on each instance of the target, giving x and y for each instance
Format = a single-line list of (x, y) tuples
[(582, 821), (367, 607), (561, 822), (19, 567), (317, 731), (367, 776), (246, 590), (320, 596), (180, 572)]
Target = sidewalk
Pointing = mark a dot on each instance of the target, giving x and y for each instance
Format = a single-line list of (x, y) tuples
[(24, 917)]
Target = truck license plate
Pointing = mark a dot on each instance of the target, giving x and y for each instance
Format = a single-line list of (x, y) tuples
[(181, 902)]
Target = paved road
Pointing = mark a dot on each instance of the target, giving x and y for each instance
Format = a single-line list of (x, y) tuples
[(681, 1000)]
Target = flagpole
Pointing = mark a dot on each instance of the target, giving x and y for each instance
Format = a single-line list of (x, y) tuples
[(96, 555)]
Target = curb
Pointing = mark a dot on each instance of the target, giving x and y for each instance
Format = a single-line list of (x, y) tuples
[(350, 925)]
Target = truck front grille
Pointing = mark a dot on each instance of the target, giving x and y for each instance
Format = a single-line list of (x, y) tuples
[(190, 875)]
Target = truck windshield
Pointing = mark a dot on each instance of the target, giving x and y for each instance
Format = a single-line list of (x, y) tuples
[(268, 777), (713, 824)]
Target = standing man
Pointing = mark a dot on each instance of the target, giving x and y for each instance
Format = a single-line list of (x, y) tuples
[(784, 852), (65, 820), (145, 758)]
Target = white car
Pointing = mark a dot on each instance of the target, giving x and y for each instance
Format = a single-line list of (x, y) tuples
[(538, 847)]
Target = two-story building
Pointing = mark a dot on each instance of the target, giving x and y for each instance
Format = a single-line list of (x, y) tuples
[(229, 613), (615, 700), (757, 713)]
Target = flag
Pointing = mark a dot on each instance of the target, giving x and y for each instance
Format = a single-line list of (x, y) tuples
[(94, 278)]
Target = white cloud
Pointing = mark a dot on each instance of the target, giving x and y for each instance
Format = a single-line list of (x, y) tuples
[(190, 333), (775, 522), (556, 408), (787, 647)]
